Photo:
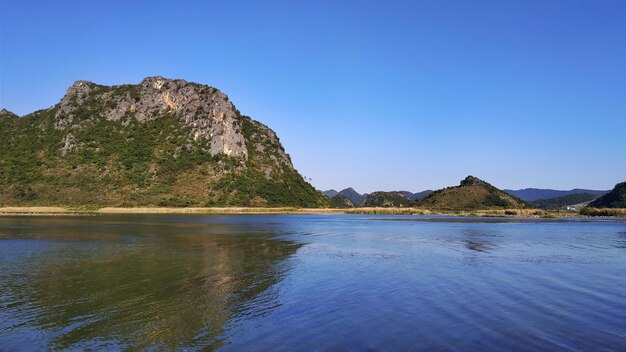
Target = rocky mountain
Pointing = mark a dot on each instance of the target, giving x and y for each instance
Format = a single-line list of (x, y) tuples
[(563, 201), (387, 199), (616, 198), (162, 142), (355, 197), (341, 201), (532, 194), (473, 193)]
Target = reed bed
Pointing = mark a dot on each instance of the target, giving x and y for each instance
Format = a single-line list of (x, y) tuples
[(390, 211), (614, 212)]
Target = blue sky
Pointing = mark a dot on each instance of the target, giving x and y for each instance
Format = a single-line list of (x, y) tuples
[(377, 95)]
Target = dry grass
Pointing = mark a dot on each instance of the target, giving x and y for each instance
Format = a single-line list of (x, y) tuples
[(589, 211), (231, 210), (36, 211), (390, 211)]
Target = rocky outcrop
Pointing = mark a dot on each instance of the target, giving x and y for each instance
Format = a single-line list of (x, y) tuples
[(162, 142), (206, 110), (7, 113)]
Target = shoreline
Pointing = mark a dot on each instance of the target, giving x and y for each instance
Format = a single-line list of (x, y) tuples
[(70, 211)]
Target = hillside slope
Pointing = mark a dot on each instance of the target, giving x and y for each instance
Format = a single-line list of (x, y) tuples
[(158, 143), (616, 198), (340, 201)]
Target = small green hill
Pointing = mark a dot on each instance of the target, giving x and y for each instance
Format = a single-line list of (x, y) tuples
[(341, 201), (614, 199), (387, 199), (472, 194)]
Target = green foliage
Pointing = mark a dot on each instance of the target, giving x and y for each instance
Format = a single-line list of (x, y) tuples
[(387, 199)]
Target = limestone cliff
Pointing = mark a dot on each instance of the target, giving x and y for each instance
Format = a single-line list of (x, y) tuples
[(162, 142)]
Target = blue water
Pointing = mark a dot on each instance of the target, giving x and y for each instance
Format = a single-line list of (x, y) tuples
[(311, 283)]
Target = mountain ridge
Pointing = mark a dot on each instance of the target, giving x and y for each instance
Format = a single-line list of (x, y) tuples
[(532, 194)]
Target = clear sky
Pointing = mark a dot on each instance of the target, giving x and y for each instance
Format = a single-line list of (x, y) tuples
[(377, 95)]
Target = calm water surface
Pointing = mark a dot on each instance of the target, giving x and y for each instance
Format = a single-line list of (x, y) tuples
[(311, 282)]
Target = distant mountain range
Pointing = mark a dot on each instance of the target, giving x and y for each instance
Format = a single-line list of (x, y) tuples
[(563, 201), (532, 194), (482, 195), (359, 199)]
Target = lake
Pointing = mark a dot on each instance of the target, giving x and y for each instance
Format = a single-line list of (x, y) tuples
[(311, 283)]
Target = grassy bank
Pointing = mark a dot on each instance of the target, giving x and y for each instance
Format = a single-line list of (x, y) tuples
[(292, 210), (41, 211)]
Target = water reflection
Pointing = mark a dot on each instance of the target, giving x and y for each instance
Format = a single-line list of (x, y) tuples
[(620, 242), (478, 240), (160, 286)]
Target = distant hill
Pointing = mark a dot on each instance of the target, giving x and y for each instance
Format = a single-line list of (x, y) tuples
[(473, 193), (387, 199), (330, 193), (614, 199), (560, 202), (531, 194), (341, 201), (355, 197), (416, 196), (162, 142)]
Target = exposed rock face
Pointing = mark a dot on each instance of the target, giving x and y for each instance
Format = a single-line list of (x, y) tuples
[(209, 113), (472, 181)]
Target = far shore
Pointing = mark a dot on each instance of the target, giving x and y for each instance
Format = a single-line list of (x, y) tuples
[(51, 211)]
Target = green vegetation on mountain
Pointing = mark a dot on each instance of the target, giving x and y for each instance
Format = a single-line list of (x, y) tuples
[(614, 199), (560, 202), (159, 143), (387, 199), (471, 194), (341, 202)]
